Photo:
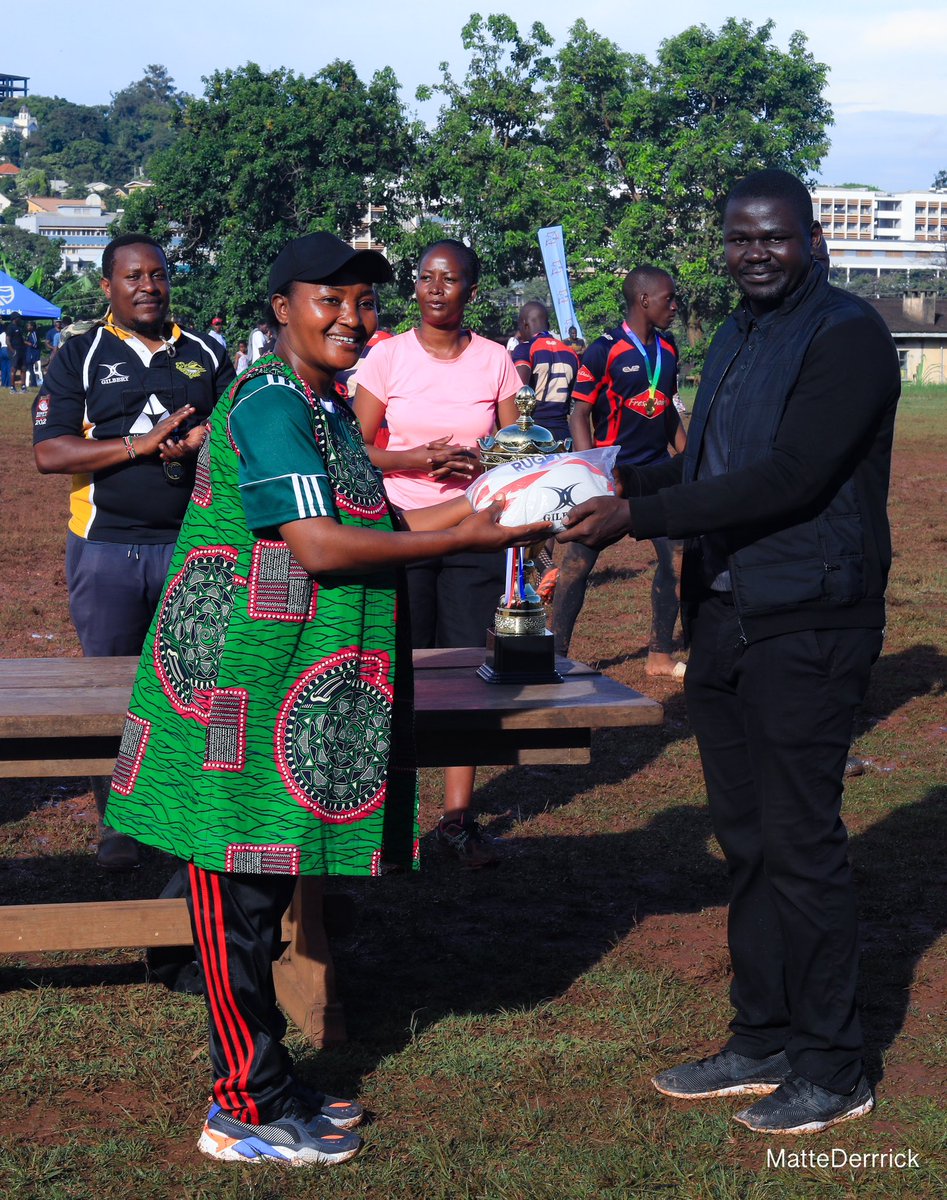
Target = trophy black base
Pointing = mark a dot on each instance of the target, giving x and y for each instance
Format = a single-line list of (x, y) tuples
[(520, 658)]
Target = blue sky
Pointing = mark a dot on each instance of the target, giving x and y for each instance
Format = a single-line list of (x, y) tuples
[(886, 83)]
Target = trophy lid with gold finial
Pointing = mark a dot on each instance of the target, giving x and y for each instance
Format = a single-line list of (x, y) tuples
[(523, 438)]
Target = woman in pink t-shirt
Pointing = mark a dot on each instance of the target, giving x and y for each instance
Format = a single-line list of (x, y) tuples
[(433, 392)]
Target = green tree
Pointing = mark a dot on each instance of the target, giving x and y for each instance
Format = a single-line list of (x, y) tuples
[(263, 157), (481, 170), (940, 180), (586, 105), (81, 297), (32, 182), (22, 254), (142, 119), (671, 141)]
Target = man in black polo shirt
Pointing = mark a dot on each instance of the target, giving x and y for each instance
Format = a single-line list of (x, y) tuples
[(122, 411)]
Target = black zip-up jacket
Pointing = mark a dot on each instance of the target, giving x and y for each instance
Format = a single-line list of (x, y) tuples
[(802, 507)]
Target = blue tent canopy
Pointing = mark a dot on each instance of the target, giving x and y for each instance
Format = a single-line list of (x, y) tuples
[(15, 298)]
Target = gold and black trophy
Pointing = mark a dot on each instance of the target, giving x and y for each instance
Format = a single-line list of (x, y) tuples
[(520, 649)]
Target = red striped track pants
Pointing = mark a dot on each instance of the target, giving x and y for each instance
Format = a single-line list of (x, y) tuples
[(236, 923)]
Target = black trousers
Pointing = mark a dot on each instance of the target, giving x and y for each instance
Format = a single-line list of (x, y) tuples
[(236, 922), (453, 599), (773, 722)]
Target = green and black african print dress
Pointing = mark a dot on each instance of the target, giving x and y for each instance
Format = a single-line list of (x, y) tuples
[(270, 726)]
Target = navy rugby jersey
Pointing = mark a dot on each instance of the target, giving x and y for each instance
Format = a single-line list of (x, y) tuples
[(613, 379), (106, 384), (553, 368)]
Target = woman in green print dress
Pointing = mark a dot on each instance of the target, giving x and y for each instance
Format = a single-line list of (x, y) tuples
[(269, 730)]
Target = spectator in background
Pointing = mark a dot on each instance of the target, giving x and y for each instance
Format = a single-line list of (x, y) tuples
[(215, 330), (33, 371), (54, 337), (241, 360), (575, 343), (4, 359), (16, 347), (258, 340), (547, 365)]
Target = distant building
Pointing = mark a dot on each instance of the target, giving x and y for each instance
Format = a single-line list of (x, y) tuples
[(13, 85), (365, 237), (869, 230), (82, 225), (918, 323), (22, 125), (9, 169)]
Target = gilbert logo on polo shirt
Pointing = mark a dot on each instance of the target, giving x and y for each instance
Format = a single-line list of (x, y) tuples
[(191, 369), (112, 374)]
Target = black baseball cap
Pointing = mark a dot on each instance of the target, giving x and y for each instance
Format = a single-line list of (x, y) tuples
[(317, 257)]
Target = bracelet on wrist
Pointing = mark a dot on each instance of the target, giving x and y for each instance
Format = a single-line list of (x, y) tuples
[(129, 442)]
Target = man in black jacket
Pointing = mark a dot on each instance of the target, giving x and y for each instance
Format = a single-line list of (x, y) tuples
[(781, 493)]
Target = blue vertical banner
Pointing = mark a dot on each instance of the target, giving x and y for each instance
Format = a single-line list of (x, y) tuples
[(553, 248)]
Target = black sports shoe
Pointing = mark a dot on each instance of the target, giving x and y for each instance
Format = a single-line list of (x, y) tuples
[(798, 1106), (724, 1074), (295, 1138)]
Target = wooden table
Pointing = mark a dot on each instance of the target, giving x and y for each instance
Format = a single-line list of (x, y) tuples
[(64, 716)]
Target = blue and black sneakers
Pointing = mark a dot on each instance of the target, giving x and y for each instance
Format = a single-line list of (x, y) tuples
[(296, 1138)]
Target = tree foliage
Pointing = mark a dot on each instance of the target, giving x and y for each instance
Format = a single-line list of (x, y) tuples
[(263, 157), (670, 139), (632, 157), (22, 254), (480, 170), (142, 119), (84, 143)]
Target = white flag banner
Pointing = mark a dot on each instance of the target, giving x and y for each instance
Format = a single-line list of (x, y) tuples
[(553, 248)]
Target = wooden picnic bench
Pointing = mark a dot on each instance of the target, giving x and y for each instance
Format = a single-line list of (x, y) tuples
[(64, 716)]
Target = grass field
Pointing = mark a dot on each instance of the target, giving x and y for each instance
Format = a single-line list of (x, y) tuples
[(504, 1024)]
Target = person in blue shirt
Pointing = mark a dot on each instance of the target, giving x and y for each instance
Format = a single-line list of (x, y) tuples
[(547, 365)]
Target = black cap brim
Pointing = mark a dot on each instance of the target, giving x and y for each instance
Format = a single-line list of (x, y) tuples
[(318, 257)]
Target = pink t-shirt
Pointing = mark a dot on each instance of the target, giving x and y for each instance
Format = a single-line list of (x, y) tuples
[(427, 398)]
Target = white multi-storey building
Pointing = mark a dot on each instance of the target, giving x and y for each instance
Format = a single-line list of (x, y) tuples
[(869, 230), (82, 225)]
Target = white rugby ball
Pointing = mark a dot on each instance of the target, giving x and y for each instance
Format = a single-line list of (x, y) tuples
[(544, 488)]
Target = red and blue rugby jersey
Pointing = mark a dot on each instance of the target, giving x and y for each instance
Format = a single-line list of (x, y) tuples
[(613, 378), (552, 372)]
